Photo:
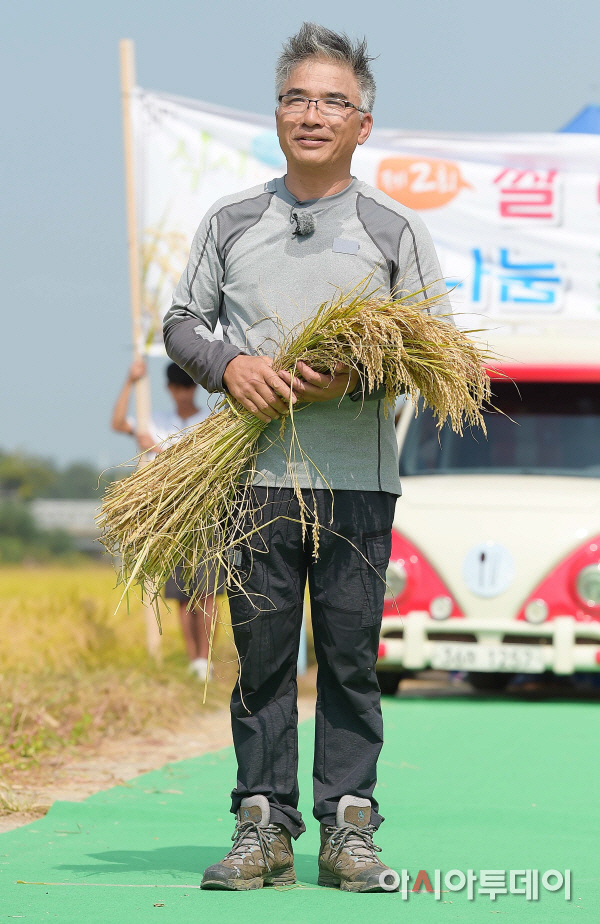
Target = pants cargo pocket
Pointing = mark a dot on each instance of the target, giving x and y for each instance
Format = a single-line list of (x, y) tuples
[(249, 593), (240, 605), (377, 548)]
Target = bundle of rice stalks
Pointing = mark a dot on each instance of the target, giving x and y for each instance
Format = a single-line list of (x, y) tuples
[(186, 506)]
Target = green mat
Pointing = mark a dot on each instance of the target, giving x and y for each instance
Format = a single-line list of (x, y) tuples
[(465, 784)]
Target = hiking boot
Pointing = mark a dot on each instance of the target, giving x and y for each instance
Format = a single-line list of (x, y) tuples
[(261, 853), (347, 859)]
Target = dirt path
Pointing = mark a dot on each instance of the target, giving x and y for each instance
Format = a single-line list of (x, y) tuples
[(75, 777)]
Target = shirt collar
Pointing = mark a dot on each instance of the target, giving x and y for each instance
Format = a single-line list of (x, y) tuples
[(315, 205)]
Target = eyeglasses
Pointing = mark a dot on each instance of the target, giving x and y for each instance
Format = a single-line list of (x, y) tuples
[(291, 103)]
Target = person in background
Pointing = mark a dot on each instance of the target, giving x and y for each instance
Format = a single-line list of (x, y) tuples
[(164, 428)]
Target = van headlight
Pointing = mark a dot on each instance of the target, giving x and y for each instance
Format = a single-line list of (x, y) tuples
[(395, 578), (588, 585)]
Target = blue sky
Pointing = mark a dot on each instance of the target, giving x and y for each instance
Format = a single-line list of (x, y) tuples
[(66, 344)]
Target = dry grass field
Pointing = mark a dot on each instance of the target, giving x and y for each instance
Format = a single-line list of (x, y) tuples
[(72, 673)]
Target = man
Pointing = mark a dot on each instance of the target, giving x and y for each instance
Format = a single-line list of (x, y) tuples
[(164, 428), (261, 262)]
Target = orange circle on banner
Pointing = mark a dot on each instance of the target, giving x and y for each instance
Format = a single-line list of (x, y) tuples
[(420, 182)]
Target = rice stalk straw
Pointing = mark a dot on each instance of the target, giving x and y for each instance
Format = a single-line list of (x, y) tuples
[(190, 505)]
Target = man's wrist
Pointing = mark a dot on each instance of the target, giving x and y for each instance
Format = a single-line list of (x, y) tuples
[(229, 361)]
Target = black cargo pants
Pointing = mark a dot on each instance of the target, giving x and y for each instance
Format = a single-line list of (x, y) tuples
[(346, 585)]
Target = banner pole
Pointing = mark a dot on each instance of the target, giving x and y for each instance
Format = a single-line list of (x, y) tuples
[(142, 386), (142, 390)]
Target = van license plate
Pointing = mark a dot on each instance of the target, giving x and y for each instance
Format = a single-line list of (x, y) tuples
[(451, 656)]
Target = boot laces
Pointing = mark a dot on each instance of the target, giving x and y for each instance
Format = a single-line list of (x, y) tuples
[(357, 841), (247, 837)]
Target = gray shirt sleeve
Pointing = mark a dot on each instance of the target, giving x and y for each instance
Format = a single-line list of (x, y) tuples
[(190, 322), (419, 269)]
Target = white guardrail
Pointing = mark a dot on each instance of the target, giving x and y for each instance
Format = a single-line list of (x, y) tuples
[(76, 517)]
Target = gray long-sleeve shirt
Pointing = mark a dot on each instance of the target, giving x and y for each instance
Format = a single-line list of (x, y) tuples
[(248, 270)]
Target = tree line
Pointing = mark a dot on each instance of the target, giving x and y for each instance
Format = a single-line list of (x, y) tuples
[(24, 478)]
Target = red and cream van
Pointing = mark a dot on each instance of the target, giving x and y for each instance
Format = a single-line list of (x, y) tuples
[(495, 565)]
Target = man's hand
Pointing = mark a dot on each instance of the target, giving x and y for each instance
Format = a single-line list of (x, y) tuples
[(119, 421), (317, 386), (137, 370), (252, 381)]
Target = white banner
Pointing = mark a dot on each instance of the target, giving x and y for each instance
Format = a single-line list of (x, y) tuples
[(515, 218)]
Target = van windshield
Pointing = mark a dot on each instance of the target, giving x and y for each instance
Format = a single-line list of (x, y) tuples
[(554, 430)]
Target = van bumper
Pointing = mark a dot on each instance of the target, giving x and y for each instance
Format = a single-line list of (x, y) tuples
[(563, 645)]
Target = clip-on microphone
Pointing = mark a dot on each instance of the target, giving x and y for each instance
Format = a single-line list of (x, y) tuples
[(305, 222)]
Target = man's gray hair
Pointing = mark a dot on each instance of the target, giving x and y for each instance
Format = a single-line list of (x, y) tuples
[(315, 41)]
